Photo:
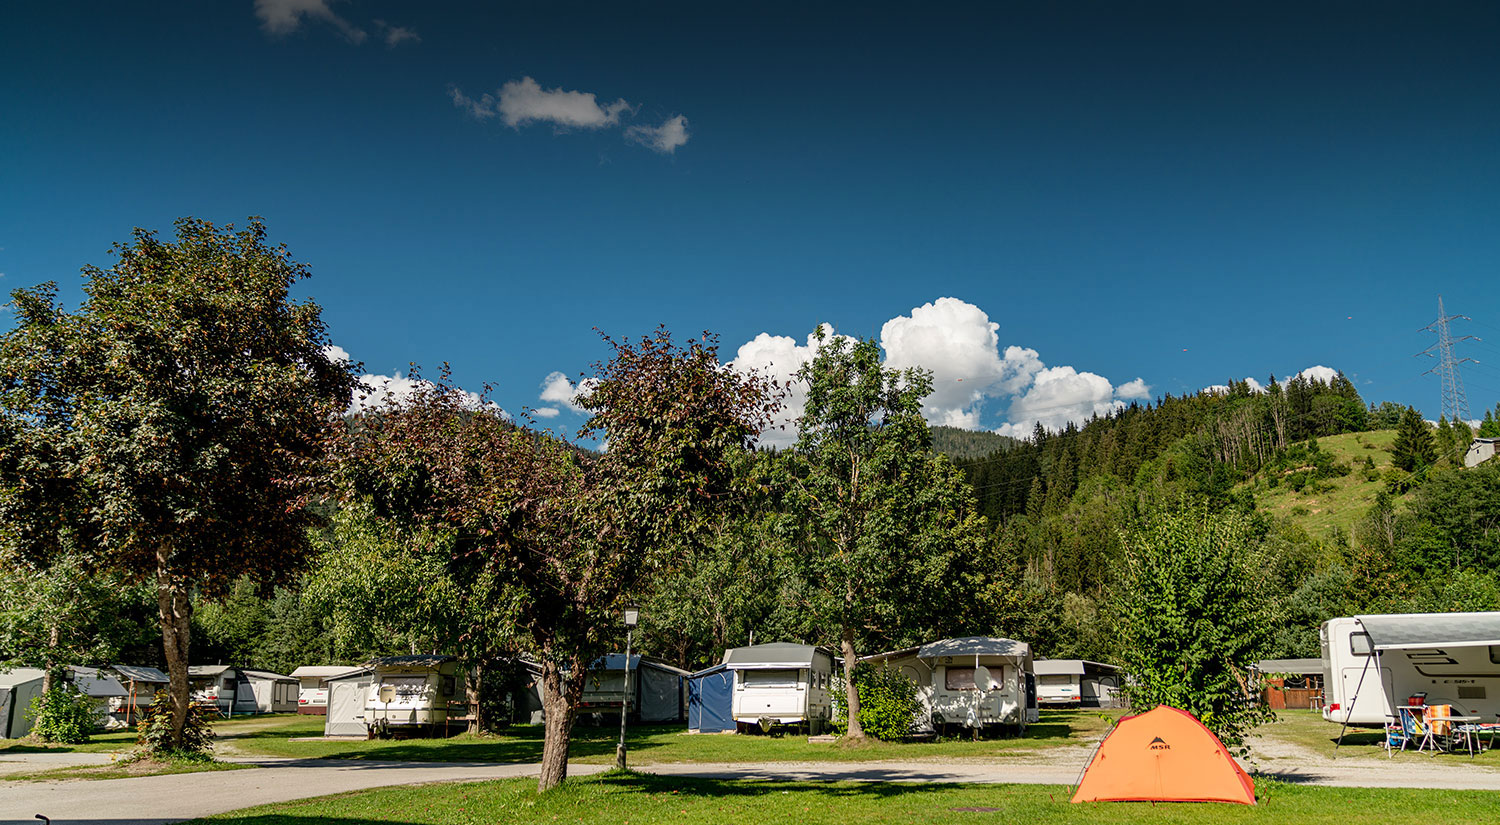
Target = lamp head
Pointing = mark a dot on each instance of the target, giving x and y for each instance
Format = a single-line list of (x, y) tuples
[(632, 616)]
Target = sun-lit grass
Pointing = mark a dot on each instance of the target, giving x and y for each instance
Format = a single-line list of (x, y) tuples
[(655, 744), (120, 771), (1350, 497), (641, 798)]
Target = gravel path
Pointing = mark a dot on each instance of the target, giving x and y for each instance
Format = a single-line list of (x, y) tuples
[(162, 799)]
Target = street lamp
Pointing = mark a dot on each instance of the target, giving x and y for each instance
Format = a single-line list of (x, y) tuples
[(632, 618)]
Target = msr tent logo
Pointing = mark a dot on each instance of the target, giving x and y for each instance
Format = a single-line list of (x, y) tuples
[(1158, 744)]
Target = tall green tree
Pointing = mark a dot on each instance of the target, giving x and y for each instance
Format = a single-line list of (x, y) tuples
[(882, 520), (1413, 448), (1194, 617), (157, 433), (570, 535)]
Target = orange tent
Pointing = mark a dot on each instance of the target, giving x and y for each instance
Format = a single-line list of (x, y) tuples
[(1163, 755)]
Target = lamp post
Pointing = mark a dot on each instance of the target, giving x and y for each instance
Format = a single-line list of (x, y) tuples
[(632, 618)]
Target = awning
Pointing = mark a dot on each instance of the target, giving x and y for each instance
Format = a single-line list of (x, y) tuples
[(975, 646), (1408, 630)]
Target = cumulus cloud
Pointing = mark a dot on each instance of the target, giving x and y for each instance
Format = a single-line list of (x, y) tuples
[(664, 138), (396, 35), (1319, 373), (336, 354), (1223, 389), (522, 102), (283, 17), (958, 343), (1060, 395), (546, 412), (778, 357), (557, 389), (378, 391)]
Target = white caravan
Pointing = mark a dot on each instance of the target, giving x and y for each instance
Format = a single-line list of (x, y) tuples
[(411, 693), (1373, 663), (972, 682), (781, 684), (312, 690)]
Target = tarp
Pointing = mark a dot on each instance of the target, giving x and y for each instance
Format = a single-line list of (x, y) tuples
[(975, 646), (773, 656), (346, 706), (139, 674), (660, 694), (711, 700), (1407, 630), (17, 688), (1163, 755)]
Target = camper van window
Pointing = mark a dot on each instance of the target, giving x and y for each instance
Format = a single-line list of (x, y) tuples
[(1495, 654), (449, 684), (405, 685), (770, 678), (959, 678), (1359, 644)]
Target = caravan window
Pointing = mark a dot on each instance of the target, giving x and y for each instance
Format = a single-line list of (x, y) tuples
[(405, 685), (1359, 644), (770, 678), (1495, 654), (959, 678)]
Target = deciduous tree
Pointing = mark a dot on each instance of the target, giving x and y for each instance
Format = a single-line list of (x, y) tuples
[(158, 431), (569, 534)]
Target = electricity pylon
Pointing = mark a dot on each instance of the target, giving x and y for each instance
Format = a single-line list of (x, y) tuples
[(1455, 402)]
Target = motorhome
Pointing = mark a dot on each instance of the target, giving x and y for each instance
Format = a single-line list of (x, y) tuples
[(414, 694), (1076, 683), (781, 684), (1371, 664), (971, 682)]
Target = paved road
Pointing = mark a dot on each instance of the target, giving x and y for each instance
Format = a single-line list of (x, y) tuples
[(164, 799)]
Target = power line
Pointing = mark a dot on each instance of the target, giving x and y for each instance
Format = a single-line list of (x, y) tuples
[(1455, 402)]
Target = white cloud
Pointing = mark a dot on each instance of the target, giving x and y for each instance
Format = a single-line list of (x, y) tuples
[(396, 35), (664, 138), (283, 17), (958, 343), (524, 101), (545, 412), (778, 357), (1319, 373), (1137, 390), (336, 354), (1058, 396), (377, 391), (1223, 389), (557, 389)]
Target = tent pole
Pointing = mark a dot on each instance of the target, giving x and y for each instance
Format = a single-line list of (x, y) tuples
[(1348, 712)]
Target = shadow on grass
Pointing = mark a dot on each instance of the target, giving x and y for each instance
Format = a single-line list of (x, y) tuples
[(519, 744)]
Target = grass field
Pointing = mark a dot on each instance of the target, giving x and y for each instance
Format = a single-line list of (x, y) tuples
[(1350, 496), (651, 744), (639, 799)]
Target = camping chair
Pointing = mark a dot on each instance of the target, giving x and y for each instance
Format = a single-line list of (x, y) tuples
[(1414, 728)]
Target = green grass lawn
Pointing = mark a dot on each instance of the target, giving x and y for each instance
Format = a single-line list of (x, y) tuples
[(98, 743), (112, 771), (652, 744), (1308, 729), (1350, 497), (639, 799)]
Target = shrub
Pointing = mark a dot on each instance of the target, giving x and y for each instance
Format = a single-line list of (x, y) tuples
[(887, 703), (63, 714), (155, 730)]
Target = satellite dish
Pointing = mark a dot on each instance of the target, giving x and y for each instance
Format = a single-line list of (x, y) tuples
[(982, 679)]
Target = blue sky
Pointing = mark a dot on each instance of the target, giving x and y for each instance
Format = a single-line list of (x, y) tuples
[(1180, 193)]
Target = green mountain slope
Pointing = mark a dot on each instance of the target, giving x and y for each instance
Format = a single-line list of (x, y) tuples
[(960, 444), (1323, 503)]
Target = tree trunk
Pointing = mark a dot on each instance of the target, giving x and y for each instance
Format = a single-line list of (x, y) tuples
[(560, 693), (175, 610), (50, 667), (472, 693), (851, 694)]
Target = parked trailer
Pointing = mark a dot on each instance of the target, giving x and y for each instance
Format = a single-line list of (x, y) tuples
[(414, 693), (1371, 664), (781, 684), (971, 682), (312, 690)]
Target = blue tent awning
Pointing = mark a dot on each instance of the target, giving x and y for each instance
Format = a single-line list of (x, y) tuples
[(710, 698)]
